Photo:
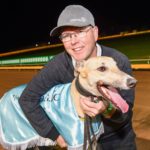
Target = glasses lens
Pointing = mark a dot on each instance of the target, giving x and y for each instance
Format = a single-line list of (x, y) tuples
[(79, 33)]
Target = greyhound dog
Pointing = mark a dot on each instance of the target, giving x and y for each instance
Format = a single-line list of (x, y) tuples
[(62, 105)]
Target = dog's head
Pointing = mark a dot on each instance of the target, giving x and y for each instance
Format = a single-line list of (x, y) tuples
[(102, 70)]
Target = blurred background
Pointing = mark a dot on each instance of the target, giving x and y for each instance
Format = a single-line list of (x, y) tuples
[(27, 23)]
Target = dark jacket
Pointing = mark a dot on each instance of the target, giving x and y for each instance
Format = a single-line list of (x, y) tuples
[(60, 70)]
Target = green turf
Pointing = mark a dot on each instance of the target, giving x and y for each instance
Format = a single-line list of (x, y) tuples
[(135, 47)]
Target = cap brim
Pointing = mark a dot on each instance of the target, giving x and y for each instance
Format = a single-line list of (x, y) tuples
[(57, 30)]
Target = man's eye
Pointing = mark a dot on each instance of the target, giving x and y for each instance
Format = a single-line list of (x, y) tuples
[(81, 31), (65, 36), (102, 68)]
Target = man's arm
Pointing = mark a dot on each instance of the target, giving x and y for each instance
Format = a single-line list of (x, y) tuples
[(52, 74)]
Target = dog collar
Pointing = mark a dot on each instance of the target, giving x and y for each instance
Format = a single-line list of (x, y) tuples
[(82, 90), (86, 93)]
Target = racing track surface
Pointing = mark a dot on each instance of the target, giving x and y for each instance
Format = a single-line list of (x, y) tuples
[(141, 117)]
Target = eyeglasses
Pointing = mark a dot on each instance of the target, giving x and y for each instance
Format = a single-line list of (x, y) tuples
[(66, 37)]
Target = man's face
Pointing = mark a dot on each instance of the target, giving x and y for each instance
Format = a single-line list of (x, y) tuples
[(80, 43)]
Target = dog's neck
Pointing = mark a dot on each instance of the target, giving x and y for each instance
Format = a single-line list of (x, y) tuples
[(76, 99), (82, 90), (78, 91)]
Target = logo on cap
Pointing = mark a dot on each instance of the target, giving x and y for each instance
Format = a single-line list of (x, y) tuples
[(82, 19)]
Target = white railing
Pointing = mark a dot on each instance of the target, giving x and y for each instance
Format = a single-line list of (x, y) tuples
[(145, 61), (22, 61)]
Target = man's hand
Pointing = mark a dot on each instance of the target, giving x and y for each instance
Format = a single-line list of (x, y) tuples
[(90, 108), (61, 142)]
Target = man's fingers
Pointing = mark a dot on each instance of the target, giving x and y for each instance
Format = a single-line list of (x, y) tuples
[(92, 109), (61, 142)]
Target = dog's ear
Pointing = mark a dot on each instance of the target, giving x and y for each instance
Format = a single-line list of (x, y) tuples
[(80, 69)]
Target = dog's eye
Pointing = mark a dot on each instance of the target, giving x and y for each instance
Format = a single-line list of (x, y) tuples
[(102, 68)]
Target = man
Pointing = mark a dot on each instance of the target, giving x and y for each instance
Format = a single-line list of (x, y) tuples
[(78, 33)]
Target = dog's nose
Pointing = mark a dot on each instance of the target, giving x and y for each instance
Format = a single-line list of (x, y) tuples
[(131, 82)]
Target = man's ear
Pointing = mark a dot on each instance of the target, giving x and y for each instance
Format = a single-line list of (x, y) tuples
[(80, 68)]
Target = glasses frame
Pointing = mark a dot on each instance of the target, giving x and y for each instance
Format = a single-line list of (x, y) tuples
[(78, 33)]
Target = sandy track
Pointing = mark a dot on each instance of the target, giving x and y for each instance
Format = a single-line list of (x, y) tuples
[(141, 117)]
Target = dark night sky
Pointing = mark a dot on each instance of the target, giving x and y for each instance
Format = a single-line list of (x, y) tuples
[(26, 22)]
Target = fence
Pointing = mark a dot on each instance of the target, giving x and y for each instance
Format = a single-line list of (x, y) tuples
[(140, 61), (38, 62)]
